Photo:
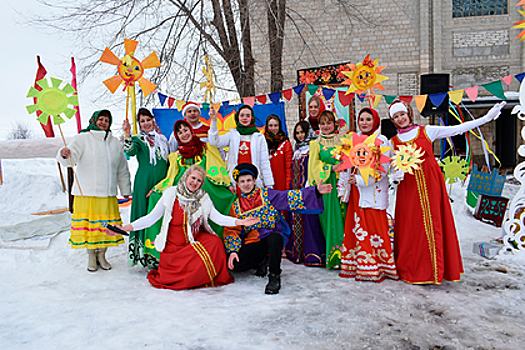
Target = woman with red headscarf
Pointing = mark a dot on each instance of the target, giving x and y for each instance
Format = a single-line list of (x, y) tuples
[(366, 254), (280, 152), (315, 108), (191, 150), (426, 245)]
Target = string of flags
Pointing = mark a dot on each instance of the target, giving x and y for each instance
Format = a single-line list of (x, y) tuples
[(495, 88)]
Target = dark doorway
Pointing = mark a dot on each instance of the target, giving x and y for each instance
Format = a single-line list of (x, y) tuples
[(506, 139)]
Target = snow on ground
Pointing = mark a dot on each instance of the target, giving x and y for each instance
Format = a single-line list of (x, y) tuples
[(50, 301)]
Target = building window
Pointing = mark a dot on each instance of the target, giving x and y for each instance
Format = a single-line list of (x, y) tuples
[(473, 8)]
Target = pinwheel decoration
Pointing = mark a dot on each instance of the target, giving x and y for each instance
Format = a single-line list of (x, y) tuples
[(130, 70), (365, 76), (454, 168), (365, 154), (52, 101), (407, 158)]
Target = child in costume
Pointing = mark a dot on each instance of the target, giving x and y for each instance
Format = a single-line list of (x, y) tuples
[(151, 149), (246, 144), (322, 153), (307, 243), (426, 246), (367, 252), (192, 255), (248, 246), (191, 150), (280, 153), (101, 167)]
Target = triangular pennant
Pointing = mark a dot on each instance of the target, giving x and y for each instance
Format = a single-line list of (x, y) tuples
[(375, 100), (226, 104), (389, 99), (508, 79), (312, 89), (406, 98), (496, 89), (217, 105), (162, 98), (361, 97), (171, 100), (328, 93), (520, 77), (205, 106), (250, 101), (437, 99), (298, 89), (421, 100), (261, 99), (344, 98), (275, 97), (456, 96), (472, 93), (180, 104), (287, 94)]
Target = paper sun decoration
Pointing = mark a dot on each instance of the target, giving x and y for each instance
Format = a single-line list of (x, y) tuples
[(365, 76), (53, 101), (208, 84), (520, 24), (454, 168), (407, 158), (364, 153)]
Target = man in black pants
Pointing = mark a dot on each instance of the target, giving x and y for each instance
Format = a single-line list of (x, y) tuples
[(260, 245)]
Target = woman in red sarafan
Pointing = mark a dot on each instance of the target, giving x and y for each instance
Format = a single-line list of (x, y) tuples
[(426, 246), (280, 152), (192, 255)]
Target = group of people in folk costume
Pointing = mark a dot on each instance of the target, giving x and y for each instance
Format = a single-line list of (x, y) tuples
[(195, 217)]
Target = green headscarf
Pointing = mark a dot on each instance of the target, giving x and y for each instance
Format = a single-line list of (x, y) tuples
[(92, 122), (243, 129)]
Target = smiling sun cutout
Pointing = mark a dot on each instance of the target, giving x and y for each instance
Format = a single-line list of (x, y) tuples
[(130, 69), (364, 153), (407, 158), (365, 76)]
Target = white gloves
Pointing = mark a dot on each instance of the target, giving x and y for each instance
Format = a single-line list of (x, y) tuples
[(495, 111)]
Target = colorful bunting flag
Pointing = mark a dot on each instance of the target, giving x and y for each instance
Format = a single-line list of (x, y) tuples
[(496, 89), (180, 104), (508, 79), (456, 96), (162, 98), (406, 98), (421, 100), (275, 97), (361, 97), (344, 98), (472, 93), (437, 99), (328, 93), (287, 94), (205, 106), (520, 77), (312, 89), (261, 99), (250, 101), (171, 101), (389, 99), (298, 89), (216, 106), (375, 99)]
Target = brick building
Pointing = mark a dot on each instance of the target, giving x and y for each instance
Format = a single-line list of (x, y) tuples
[(470, 40)]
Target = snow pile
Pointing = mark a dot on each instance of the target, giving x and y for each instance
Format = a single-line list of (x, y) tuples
[(51, 301)]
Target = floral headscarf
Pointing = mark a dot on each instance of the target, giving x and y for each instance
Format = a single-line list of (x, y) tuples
[(274, 140), (195, 147)]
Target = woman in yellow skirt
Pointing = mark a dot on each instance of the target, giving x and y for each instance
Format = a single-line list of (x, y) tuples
[(101, 167)]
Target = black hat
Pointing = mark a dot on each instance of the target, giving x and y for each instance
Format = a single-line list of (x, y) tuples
[(245, 169)]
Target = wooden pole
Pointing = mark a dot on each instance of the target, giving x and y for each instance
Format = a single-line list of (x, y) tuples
[(61, 177), (127, 109), (71, 162), (1, 178)]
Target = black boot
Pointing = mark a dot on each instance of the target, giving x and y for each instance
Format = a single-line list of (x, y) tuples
[(262, 269), (274, 284)]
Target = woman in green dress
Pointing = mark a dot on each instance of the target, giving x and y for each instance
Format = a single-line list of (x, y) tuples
[(191, 150), (151, 149), (320, 171)]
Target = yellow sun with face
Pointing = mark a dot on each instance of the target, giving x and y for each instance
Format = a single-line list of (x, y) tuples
[(407, 158), (53, 101), (365, 76), (454, 168), (130, 69)]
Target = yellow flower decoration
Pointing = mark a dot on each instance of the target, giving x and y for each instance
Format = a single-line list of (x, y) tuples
[(235, 174)]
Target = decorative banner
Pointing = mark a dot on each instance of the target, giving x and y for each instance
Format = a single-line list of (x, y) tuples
[(326, 75), (389, 99), (485, 183), (312, 89), (374, 99), (507, 80), (456, 96), (299, 88), (275, 97), (250, 101), (421, 100), (180, 104), (472, 93), (208, 83), (360, 97), (437, 99), (171, 101), (73, 71), (520, 77), (344, 98), (328, 93), (287, 94), (407, 158), (261, 99), (454, 168), (406, 98), (496, 89), (205, 106), (162, 98)]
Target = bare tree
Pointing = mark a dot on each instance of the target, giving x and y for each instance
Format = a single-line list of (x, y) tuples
[(182, 31), (20, 131)]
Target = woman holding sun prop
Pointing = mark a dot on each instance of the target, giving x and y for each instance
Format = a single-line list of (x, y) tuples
[(426, 246)]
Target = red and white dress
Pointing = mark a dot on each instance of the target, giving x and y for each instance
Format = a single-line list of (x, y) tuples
[(366, 254), (281, 163)]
